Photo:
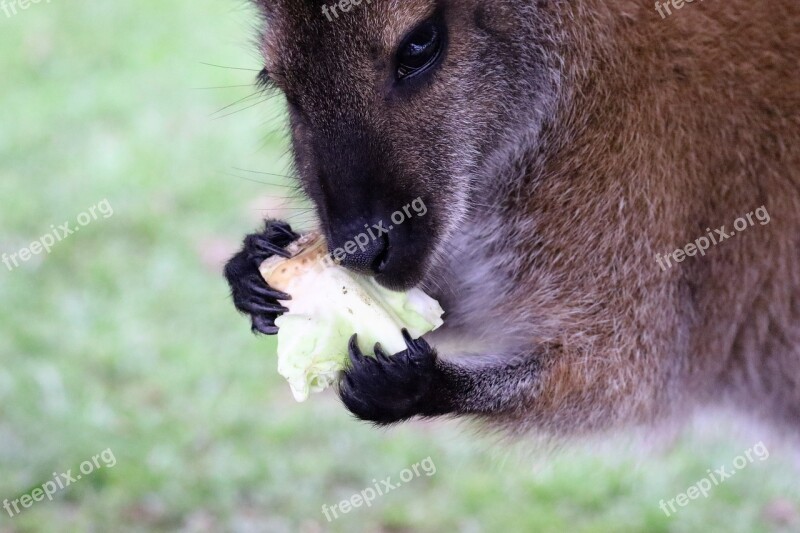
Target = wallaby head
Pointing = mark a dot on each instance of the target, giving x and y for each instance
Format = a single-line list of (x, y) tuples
[(566, 150), (391, 101)]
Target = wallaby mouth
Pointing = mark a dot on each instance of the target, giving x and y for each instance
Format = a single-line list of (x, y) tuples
[(403, 261), (394, 255), (382, 259), (363, 251)]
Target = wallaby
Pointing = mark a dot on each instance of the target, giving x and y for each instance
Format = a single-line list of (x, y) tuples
[(573, 155)]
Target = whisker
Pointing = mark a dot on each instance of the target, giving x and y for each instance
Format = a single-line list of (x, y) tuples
[(302, 217), (282, 186), (265, 173), (240, 100), (286, 208), (285, 200), (243, 109), (222, 87), (231, 68)]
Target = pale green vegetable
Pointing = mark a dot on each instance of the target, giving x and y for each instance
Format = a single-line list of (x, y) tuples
[(329, 304)]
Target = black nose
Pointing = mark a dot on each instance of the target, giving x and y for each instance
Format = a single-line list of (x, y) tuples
[(363, 253)]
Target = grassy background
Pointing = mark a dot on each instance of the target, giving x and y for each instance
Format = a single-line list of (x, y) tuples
[(123, 336)]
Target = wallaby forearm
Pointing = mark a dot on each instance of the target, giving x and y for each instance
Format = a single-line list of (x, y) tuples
[(482, 385)]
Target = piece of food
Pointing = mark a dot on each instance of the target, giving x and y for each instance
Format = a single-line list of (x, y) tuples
[(329, 304)]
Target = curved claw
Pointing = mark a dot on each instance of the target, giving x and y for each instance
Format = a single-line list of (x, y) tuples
[(407, 338), (261, 289), (254, 306), (353, 350), (284, 228), (276, 250), (380, 353), (263, 325), (414, 346)]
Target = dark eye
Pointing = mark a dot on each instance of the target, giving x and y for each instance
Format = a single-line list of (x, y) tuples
[(420, 50)]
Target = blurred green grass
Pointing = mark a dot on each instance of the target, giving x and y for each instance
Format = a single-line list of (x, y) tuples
[(123, 336)]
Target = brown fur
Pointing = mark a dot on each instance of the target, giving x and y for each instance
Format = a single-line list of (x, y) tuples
[(569, 143)]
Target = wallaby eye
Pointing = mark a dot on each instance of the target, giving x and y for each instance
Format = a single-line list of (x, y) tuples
[(420, 50)]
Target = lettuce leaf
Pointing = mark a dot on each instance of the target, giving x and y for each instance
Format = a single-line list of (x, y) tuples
[(329, 304)]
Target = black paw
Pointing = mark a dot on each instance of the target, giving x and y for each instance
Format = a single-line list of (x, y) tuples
[(386, 389), (251, 294)]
